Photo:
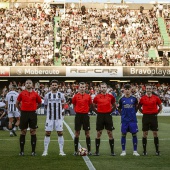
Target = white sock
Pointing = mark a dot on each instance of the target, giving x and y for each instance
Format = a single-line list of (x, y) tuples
[(46, 143), (14, 128), (61, 143)]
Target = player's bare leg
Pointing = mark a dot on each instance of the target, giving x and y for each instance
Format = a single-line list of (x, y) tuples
[(11, 119)]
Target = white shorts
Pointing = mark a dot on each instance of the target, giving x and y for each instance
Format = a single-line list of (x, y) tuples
[(51, 125), (13, 114)]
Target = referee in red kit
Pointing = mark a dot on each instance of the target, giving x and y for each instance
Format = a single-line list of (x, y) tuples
[(104, 105), (28, 102), (150, 106), (82, 102)]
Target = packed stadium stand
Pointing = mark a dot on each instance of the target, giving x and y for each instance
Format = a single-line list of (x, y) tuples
[(83, 36), (44, 34)]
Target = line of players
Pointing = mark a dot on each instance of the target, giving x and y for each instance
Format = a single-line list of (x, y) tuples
[(103, 105)]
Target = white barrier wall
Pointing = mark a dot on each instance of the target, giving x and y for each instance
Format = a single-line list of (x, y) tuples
[(165, 112)]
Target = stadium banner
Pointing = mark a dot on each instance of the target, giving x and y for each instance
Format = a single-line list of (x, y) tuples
[(94, 71), (149, 71), (37, 71), (4, 71)]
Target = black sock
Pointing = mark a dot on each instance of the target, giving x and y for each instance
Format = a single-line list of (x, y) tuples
[(76, 141), (88, 142), (156, 141), (144, 142), (33, 142), (111, 142), (22, 142), (97, 141)]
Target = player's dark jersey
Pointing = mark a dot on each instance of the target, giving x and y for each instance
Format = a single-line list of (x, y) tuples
[(128, 109)]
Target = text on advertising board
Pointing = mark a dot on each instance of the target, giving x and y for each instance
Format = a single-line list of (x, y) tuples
[(146, 71), (38, 71)]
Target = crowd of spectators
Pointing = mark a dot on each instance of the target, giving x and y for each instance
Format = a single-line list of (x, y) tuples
[(88, 37), (166, 12), (168, 26), (69, 89), (166, 15), (109, 37), (167, 19), (26, 37)]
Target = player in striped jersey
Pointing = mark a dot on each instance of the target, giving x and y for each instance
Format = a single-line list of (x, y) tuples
[(13, 112), (54, 102)]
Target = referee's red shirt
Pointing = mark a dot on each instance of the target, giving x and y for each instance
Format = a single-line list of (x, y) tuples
[(81, 103), (29, 100), (104, 103), (150, 104)]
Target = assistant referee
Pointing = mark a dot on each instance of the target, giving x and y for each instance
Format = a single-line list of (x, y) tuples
[(28, 102), (150, 106)]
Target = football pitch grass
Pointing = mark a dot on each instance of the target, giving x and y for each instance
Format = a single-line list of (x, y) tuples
[(10, 160)]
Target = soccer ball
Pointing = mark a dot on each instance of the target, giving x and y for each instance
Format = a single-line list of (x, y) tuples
[(83, 152)]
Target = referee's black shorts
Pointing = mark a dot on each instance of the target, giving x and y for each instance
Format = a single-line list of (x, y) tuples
[(28, 119), (82, 120), (149, 122), (104, 121)]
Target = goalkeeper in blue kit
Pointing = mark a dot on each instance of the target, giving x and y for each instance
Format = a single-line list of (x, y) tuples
[(128, 108)]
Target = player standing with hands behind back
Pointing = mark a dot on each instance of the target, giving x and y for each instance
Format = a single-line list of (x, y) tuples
[(28, 102), (54, 103), (128, 106), (150, 106), (82, 102), (104, 105)]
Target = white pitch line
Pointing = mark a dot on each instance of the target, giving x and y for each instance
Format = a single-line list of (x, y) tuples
[(53, 140), (86, 158)]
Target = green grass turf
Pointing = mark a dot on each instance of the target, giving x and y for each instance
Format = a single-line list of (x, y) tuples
[(9, 150)]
